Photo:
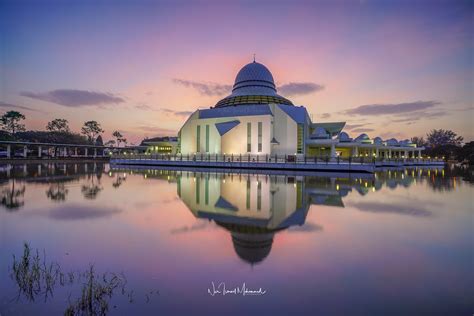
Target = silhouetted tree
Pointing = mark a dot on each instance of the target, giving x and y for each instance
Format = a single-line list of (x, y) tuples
[(11, 122), (58, 125), (91, 129), (419, 141), (440, 137)]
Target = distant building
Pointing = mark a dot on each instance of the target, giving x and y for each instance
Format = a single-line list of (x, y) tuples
[(255, 120), (161, 145)]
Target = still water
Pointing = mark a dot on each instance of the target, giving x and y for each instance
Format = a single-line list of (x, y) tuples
[(92, 239)]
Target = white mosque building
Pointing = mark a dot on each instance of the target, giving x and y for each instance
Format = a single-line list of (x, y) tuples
[(255, 120)]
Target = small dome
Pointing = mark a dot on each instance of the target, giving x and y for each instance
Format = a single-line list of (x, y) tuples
[(362, 138), (320, 133), (344, 137), (405, 142), (378, 141), (392, 142)]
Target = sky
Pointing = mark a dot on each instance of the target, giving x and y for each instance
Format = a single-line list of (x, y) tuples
[(387, 68)]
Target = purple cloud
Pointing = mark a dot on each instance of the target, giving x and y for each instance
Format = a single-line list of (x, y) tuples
[(178, 113), (205, 88), (299, 88), (217, 89), (74, 98), (379, 207), (398, 108)]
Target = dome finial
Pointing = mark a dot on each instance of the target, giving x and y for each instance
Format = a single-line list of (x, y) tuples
[(253, 57)]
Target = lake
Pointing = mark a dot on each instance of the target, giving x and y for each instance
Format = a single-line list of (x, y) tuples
[(81, 238)]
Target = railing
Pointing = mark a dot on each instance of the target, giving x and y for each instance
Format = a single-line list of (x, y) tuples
[(297, 159)]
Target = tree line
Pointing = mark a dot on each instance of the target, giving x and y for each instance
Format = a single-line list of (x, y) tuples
[(57, 131), (446, 143)]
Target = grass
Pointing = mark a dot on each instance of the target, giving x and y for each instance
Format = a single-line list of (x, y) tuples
[(36, 277)]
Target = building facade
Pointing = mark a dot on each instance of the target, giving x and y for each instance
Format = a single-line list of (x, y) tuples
[(255, 120)]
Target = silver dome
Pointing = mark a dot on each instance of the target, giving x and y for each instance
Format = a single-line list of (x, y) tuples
[(255, 75)]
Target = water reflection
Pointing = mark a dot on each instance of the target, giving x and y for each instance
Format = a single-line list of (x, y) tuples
[(253, 208), (234, 227)]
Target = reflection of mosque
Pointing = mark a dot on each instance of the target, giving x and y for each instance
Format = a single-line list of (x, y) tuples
[(253, 208)]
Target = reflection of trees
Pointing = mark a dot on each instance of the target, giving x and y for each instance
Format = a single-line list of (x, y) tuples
[(12, 198), (92, 189), (118, 181), (57, 192)]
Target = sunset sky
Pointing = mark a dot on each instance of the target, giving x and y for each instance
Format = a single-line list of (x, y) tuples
[(141, 67)]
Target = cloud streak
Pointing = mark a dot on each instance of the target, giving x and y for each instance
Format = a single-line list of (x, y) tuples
[(299, 88), (10, 106), (395, 109), (217, 89), (205, 88), (74, 98)]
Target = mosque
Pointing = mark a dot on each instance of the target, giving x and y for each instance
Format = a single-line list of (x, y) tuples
[(255, 120)]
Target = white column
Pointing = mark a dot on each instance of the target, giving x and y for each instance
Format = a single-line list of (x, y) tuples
[(95, 152), (85, 152), (355, 151), (333, 151), (419, 153), (406, 154), (39, 151), (377, 152), (25, 151), (389, 153), (39, 169), (75, 151), (9, 151)]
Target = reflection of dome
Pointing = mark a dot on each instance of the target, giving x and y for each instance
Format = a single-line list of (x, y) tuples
[(251, 243), (253, 85), (252, 248)]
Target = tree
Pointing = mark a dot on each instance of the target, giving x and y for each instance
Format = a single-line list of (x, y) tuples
[(58, 125), (91, 129), (110, 143), (11, 122), (419, 141), (118, 136), (440, 137)]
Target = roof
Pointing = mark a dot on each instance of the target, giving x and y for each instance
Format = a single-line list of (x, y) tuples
[(332, 128), (224, 127), (253, 84), (297, 113), (233, 111)]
